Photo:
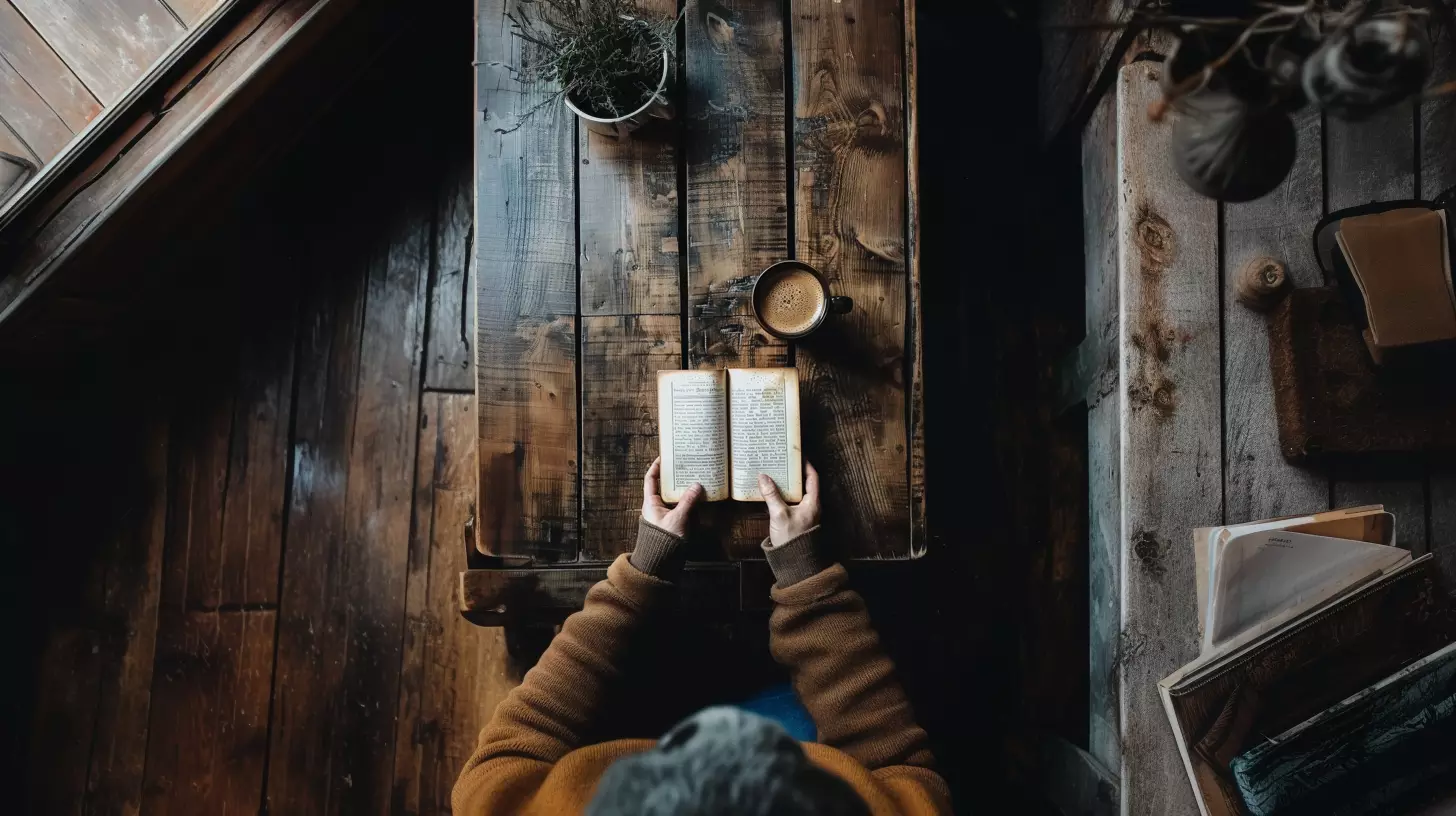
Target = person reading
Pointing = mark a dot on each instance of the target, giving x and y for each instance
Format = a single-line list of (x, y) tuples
[(870, 757)]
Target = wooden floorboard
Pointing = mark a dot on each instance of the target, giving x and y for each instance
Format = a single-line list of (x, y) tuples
[(454, 673)]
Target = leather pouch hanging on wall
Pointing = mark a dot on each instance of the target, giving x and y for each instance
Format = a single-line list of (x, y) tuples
[(1331, 399)]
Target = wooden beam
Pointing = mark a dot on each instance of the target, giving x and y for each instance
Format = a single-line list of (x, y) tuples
[(186, 142), (1171, 470)]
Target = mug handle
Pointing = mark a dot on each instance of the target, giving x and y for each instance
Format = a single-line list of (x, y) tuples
[(840, 304)]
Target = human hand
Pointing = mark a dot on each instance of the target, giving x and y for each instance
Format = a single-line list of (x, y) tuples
[(672, 519), (787, 522)]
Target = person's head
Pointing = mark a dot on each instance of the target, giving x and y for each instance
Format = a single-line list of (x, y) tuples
[(723, 761)]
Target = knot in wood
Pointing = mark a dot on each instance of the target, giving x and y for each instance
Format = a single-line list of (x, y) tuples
[(1157, 245), (1262, 283)]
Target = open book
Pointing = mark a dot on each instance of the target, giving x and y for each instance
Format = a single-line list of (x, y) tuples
[(723, 428)]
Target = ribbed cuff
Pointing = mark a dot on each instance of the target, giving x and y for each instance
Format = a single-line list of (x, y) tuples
[(658, 552), (794, 560)]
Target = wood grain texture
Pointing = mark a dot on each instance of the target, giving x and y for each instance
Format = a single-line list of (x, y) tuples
[(620, 358), (1372, 160), (849, 150), (628, 216), (114, 782), (94, 679), (28, 116), (737, 211), (1104, 441), (454, 673), (35, 61), (356, 427), (1258, 483), (526, 307), (190, 12), (919, 529), (1437, 174), (1172, 469), (452, 280), (1076, 59), (209, 725), (107, 43), (1375, 160)]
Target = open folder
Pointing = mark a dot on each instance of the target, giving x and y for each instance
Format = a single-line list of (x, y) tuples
[(1296, 615)]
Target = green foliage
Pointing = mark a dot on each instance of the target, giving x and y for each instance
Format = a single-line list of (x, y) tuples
[(606, 55)]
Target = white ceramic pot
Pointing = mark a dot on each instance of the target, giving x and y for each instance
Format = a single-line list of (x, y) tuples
[(657, 107)]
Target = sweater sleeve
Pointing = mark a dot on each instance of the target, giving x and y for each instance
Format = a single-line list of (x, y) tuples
[(820, 629), (545, 717)]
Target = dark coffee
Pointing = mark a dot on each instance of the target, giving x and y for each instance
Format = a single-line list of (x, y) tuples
[(791, 301)]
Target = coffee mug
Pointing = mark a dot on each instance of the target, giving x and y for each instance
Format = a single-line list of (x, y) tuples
[(791, 300)]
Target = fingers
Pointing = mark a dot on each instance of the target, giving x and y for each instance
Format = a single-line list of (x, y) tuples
[(651, 488), (689, 498), (811, 484), (771, 495)]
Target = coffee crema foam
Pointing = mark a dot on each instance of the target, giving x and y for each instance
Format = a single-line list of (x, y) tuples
[(792, 301)]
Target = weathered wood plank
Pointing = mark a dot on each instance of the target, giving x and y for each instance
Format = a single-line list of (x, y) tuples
[(209, 727), (1172, 469), (25, 113), (525, 308), (1104, 441), (452, 280), (94, 678), (1368, 161), (1258, 483), (628, 218), (190, 12), (849, 150), (738, 221), (107, 43), (454, 673), (35, 61), (919, 530), (619, 422), (210, 718), (1438, 173), (342, 607), (1077, 58), (114, 783)]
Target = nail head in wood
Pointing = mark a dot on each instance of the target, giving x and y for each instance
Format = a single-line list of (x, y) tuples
[(1262, 283)]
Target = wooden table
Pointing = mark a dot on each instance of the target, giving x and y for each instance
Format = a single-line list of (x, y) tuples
[(603, 261), (1174, 375)]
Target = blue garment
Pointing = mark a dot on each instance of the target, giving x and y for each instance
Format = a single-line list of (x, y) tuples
[(779, 703)]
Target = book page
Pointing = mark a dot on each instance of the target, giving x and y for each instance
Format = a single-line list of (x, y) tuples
[(1275, 574), (692, 419), (763, 429)]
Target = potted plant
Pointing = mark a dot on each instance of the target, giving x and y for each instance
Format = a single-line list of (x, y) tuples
[(609, 59)]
